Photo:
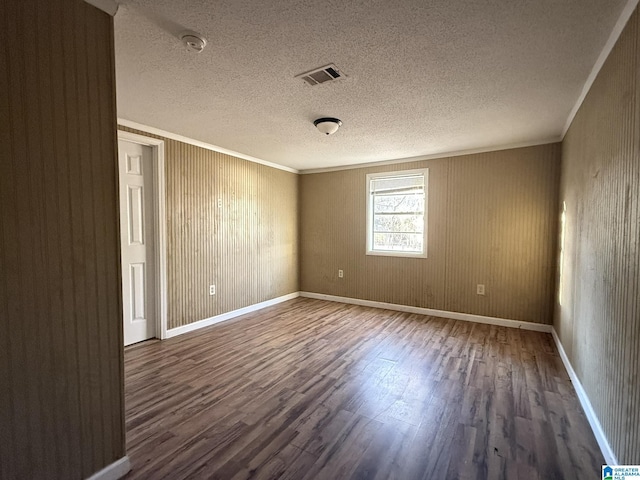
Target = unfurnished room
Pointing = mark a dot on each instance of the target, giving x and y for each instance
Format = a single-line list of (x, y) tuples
[(319, 240)]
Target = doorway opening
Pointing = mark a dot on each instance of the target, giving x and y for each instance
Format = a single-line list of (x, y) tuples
[(142, 237)]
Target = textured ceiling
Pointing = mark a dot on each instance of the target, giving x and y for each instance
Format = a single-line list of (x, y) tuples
[(424, 77)]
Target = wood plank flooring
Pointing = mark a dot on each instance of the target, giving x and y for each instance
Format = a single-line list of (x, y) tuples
[(310, 389)]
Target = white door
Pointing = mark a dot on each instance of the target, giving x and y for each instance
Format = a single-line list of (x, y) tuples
[(137, 243)]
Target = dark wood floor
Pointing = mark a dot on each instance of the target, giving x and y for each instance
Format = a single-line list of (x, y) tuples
[(311, 389)]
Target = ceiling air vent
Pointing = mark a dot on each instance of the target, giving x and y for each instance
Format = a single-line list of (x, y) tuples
[(320, 75)]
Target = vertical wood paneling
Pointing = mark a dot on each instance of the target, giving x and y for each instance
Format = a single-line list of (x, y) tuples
[(492, 220), (501, 233), (276, 232), (248, 247), (598, 320), (61, 363)]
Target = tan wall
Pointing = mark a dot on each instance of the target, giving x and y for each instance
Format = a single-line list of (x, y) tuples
[(248, 248), (599, 319), (61, 381), (492, 220)]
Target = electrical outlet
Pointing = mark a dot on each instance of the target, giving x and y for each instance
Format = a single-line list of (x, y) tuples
[(219, 203), (480, 289), (340, 274), (212, 289)]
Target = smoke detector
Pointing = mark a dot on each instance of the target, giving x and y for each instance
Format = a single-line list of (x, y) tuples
[(193, 41)]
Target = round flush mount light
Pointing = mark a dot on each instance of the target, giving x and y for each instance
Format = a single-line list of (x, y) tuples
[(328, 125), (193, 41)]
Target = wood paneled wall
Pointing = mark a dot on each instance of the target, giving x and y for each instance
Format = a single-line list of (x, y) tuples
[(598, 319), (61, 380), (492, 221), (248, 247)]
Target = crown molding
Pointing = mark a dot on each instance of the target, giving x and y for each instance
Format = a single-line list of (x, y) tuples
[(111, 7), (198, 143), (627, 11), (108, 6), (434, 156)]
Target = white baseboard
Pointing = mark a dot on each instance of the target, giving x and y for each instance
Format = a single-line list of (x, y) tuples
[(229, 315), (468, 317), (122, 466), (601, 438), (116, 470)]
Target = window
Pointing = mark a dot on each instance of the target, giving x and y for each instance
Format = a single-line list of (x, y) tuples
[(396, 213)]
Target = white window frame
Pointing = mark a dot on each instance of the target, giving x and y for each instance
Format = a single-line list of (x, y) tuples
[(396, 253)]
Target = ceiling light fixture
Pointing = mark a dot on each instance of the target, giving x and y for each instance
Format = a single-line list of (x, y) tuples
[(328, 125)]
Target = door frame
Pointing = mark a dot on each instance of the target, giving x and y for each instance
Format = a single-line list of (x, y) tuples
[(159, 225)]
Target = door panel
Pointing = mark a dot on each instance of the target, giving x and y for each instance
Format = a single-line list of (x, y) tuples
[(137, 292), (135, 212), (135, 163)]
